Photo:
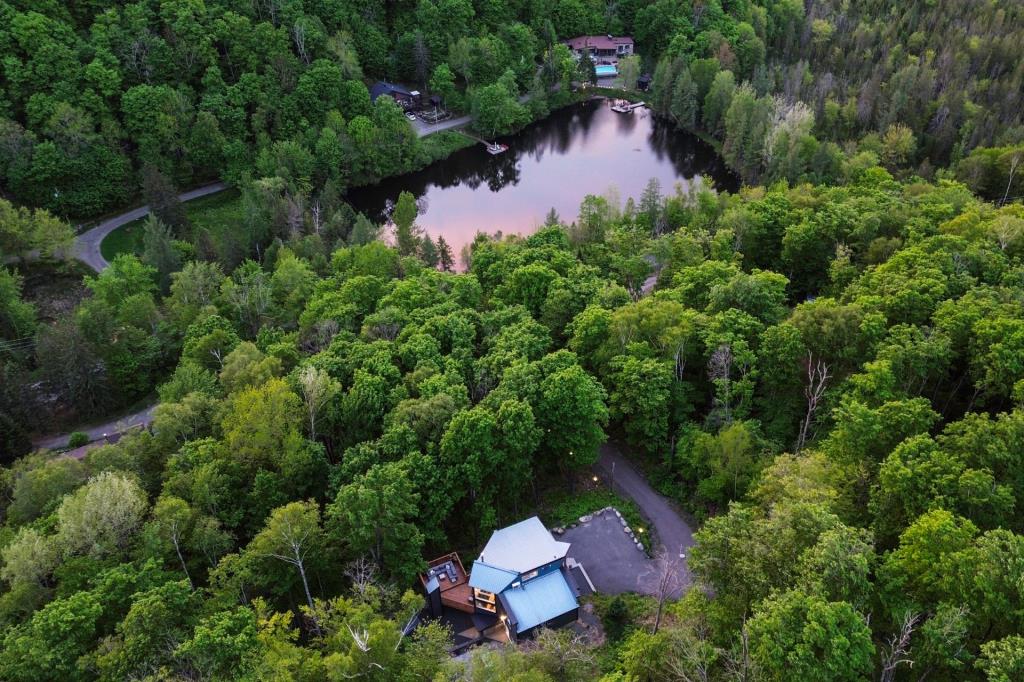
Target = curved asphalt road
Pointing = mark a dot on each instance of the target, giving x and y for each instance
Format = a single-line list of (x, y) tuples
[(141, 418), (674, 533), (87, 244), (87, 250)]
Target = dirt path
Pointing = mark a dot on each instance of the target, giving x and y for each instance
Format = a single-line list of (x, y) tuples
[(87, 244)]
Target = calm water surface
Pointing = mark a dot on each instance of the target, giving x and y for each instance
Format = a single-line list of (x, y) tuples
[(584, 149)]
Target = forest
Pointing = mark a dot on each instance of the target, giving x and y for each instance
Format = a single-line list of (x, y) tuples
[(91, 95), (825, 369)]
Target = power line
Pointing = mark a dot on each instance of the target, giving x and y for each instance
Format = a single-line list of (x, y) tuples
[(17, 345)]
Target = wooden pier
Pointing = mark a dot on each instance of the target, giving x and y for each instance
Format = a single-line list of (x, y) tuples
[(492, 147)]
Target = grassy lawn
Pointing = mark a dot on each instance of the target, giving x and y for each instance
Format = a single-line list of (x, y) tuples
[(125, 239), (617, 93), (214, 213), (442, 144), (220, 213)]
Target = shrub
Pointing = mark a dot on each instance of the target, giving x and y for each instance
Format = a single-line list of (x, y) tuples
[(78, 439)]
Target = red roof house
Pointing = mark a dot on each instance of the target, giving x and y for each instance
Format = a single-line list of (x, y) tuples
[(607, 47)]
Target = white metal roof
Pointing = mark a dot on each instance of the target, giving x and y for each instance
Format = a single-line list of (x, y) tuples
[(523, 547)]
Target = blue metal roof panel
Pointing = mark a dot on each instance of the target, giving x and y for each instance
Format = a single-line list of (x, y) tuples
[(540, 600), (490, 578), (523, 547)]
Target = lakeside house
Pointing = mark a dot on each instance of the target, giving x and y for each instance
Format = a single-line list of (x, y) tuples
[(407, 99), (608, 49), (519, 583)]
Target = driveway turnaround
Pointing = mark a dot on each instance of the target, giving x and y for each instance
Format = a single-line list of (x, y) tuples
[(610, 558)]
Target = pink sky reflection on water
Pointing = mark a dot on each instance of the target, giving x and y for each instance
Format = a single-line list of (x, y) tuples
[(554, 163)]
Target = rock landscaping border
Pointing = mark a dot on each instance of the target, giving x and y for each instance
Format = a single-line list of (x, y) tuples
[(559, 530)]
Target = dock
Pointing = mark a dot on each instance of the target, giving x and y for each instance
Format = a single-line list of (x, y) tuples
[(492, 148), (624, 107)]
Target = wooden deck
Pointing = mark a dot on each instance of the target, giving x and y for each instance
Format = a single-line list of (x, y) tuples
[(456, 595)]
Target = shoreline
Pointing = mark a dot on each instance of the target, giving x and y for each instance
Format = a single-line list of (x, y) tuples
[(448, 150)]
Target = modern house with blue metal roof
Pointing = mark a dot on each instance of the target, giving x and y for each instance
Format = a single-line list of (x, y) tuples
[(521, 578)]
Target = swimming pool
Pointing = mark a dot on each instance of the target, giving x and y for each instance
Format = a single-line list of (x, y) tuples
[(606, 70)]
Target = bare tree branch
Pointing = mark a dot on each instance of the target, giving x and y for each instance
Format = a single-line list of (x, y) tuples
[(897, 650), (817, 381)]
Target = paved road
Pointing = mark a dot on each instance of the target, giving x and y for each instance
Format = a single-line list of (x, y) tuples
[(674, 533), (423, 129), (87, 244), (87, 250), (141, 418)]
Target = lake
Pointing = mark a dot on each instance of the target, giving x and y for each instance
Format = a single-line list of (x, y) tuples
[(582, 149)]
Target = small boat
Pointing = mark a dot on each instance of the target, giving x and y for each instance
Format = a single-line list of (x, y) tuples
[(623, 106), (496, 148)]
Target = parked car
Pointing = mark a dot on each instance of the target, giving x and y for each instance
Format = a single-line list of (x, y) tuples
[(411, 116)]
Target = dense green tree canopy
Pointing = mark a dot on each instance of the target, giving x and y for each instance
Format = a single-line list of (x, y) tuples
[(825, 367)]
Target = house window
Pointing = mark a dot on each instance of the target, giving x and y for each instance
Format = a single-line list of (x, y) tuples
[(485, 600)]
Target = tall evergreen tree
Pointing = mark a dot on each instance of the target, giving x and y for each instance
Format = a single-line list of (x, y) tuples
[(445, 258), (162, 198), (428, 252), (684, 106), (587, 71), (159, 252)]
